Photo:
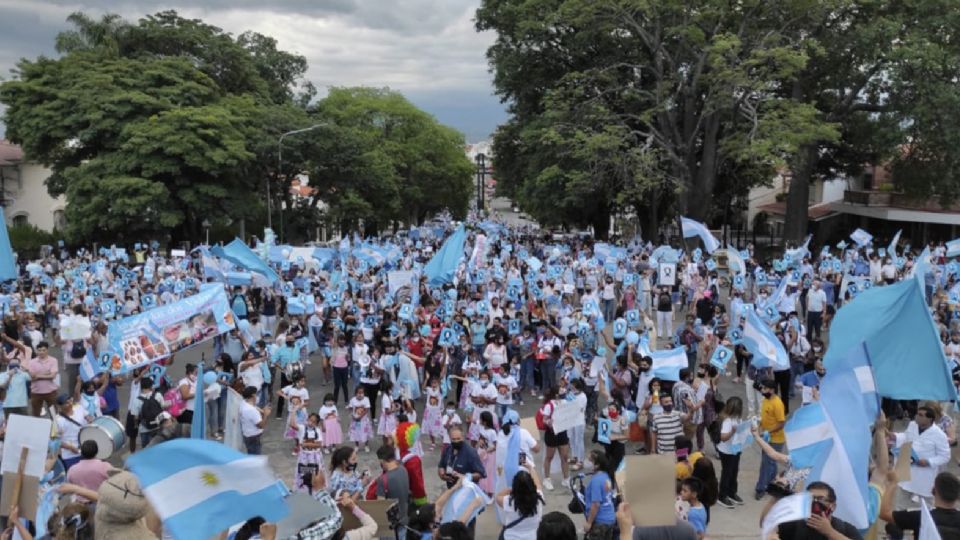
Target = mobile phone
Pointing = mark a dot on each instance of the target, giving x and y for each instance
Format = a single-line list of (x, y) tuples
[(523, 458)]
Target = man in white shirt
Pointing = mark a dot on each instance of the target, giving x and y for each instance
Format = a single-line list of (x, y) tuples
[(252, 420), (69, 422), (816, 303), (188, 389), (930, 451)]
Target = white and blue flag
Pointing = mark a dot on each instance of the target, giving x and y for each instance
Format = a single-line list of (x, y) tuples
[(760, 340), (668, 363), (199, 488), (692, 228)]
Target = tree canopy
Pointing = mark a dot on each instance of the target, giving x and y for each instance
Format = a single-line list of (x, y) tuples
[(666, 106), (156, 126)]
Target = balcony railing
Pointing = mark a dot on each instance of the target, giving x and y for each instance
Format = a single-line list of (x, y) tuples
[(867, 198), (898, 200)]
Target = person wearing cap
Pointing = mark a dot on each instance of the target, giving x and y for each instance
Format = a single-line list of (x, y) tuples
[(169, 429), (69, 422), (252, 420), (772, 420)]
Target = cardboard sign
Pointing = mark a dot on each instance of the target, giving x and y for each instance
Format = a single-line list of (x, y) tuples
[(903, 462), (650, 489), (375, 509), (28, 432), (566, 415), (667, 274)]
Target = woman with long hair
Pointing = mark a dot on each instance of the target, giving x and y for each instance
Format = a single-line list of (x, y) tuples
[(521, 505), (555, 442), (704, 471), (731, 417), (598, 497), (343, 473)]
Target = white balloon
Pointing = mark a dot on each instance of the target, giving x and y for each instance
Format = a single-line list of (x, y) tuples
[(633, 338)]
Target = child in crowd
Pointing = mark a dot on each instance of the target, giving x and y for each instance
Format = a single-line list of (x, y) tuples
[(361, 430), (449, 419), (432, 413), (332, 433), (690, 489)]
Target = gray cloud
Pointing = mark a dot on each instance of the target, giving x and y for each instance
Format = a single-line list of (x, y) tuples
[(427, 49)]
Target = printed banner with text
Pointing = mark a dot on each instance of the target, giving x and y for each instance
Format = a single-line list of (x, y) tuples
[(156, 334)]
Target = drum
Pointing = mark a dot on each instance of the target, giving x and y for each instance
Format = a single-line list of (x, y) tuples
[(107, 432)]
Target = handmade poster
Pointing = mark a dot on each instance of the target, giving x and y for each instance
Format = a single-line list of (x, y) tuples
[(231, 429), (375, 509), (903, 462), (27, 432), (147, 337), (566, 415), (667, 275)]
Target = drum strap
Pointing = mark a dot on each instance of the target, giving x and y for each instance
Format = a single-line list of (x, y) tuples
[(71, 420)]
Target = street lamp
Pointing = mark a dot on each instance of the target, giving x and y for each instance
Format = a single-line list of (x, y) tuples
[(280, 166), (206, 229)]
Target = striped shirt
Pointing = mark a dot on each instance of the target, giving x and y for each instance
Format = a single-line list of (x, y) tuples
[(668, 426)]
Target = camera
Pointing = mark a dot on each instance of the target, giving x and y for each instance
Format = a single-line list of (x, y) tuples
[(393, 516), (523, 458)]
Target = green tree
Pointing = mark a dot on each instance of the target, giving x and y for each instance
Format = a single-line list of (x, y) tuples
[(691, 89)]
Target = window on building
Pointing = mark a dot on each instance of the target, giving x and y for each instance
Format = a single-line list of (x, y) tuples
[(20, 220), (59, 220)]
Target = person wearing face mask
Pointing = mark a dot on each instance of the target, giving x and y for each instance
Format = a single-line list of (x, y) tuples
[(816, 304), (931, 448), (821, 524), (69, 422), (483, 395), (459, 459), (809, 383), (772, 420), (343, 477), (14, 381)]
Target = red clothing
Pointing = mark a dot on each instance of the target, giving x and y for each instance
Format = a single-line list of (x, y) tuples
[(418, 491)]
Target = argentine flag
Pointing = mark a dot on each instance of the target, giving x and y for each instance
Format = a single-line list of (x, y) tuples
[(89, 367), (668, 363), (809, 436), (849, 400), (760, 340), (693, 228), (200, 488), (892, 248)]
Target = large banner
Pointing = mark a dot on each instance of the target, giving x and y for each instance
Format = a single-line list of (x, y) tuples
[(162, 331)]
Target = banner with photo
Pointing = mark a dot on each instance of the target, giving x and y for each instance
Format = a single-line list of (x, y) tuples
[(156, 334)]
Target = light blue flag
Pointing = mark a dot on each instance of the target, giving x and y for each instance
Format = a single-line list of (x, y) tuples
[(89, 367), (668, 363), (953, 248), (239, 254), (198, 426), (760, 340), (850, 402), (511, 466), (212, 268), (922, 266), (461, 498), (742, 437), (861, 237), (892, 248), (895, 325), (797, 254), (692, 228), (8, 269), (809, 435), (443, 265), (199, 488)]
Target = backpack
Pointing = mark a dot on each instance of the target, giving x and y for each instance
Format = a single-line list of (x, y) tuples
[(177, 404), (150, 410), (78, 350), (541, 424)]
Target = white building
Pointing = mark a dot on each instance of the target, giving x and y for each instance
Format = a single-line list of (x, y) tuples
[(23, 191)]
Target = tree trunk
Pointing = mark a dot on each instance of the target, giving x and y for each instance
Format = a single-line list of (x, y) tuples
[(798, 197), (601, 223), (700, 196)]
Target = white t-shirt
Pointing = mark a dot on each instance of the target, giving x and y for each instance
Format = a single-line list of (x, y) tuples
[(252, 376), (448, 421), (368, 374), (478, 391), (816, 300), (527, 444), (192, 385), (70, 431), (356, 403), (525, 528), (729, 426), (249, 418), (505, 387), (292, 391)]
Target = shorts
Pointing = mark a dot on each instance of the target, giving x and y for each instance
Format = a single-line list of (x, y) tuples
[(553, 440)]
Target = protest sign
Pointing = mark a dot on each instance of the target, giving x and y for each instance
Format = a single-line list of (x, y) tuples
[(566, 415), (667, 275), (156, 334), (650, 489), (232, 436)]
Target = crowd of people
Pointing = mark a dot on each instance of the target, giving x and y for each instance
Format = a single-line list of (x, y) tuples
[(446, 367)]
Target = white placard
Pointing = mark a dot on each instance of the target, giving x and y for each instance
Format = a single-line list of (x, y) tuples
[(566, 415), (668, 274), (30, 432), (178, 253), (397, 279), (232, 436), (567, 288)]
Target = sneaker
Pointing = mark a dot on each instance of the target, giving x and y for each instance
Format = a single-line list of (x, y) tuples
[(725, 502), (566, 484), (547, 484), (366, 449), (758, 495), (736, 499)]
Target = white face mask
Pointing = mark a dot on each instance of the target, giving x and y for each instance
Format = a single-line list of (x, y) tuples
[(450, 411)]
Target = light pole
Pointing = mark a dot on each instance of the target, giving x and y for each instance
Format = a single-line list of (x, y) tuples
[(206, 229), (280, 167), (481, 173)]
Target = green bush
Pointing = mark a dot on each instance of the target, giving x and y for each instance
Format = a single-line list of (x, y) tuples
[(26, 240)]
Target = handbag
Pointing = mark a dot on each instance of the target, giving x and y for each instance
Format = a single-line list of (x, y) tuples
[(509, 525)]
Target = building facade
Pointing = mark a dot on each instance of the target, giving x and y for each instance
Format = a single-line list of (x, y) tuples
[(23, 192)]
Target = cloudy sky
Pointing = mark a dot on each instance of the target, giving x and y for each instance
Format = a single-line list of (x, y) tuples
[(427, 49)]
